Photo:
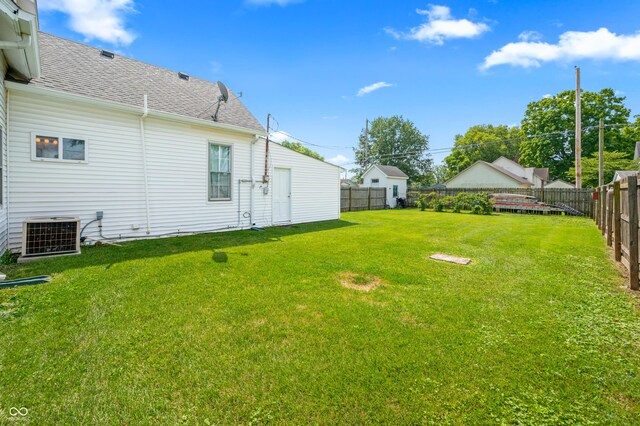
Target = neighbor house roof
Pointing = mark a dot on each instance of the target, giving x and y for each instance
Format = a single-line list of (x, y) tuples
[(391, 171), (542, 173), (505, 172), (621, 174), (76, 68)]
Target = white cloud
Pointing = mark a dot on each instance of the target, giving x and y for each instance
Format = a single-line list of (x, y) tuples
[(547, 96), (440, 26), (281, 3), (96, 19), (339, 160), (373, 87), (530, 36), (572, 46), (279, 136)]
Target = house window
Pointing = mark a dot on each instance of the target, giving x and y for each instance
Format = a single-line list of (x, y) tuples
[(50, 147), (219, 172), (395, 190), (374, 182)]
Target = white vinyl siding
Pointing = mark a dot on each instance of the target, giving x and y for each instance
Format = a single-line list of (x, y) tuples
[(481, 175), (112, 180), (396, 187), (315, 185)]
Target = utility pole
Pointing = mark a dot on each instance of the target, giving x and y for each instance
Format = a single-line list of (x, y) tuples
[(366, 140), (265, 177), (578, 148), (601, 153)]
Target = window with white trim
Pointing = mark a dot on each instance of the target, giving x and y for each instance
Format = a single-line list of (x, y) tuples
[(395, 191), (58, 148), (219, 172)]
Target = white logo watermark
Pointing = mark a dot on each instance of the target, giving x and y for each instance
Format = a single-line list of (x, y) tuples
[(15, 412)]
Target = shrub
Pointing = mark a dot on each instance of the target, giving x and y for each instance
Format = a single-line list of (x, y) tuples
[(413, 199), (448, 201), (482, 204), (465, 200), (425, 201), (438, 206), (457, 207), (7, 258)]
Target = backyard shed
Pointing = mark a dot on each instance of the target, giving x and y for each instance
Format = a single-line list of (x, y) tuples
[(99, 132), (390, 177)]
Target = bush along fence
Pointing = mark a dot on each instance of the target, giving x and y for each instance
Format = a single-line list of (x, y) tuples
[(617, 218), (478, 203), (355, 199), (578, 199)]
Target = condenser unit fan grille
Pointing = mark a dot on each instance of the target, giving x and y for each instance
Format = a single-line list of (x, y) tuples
[(51, 237)]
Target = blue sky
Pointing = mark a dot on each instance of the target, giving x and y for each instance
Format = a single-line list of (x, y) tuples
[(321, 67)]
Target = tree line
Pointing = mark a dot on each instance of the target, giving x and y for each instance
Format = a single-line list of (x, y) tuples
[(544, 138)]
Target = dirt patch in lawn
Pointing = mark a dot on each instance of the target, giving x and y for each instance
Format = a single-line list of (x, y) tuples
[(361, 282)]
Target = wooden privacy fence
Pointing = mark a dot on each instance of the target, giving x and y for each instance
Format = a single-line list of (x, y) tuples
[(354, 199), (579, 199), (617, 218)]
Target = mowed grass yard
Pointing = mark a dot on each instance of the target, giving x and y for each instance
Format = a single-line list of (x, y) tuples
[(255, 327)]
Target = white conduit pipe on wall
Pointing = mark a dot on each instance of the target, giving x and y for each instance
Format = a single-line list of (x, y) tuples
[(145, 111)]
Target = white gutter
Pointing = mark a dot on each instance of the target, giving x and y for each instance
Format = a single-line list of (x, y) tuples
[(22, 44), (145, 112)]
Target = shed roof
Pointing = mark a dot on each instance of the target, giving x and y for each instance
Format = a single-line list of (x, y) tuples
[(392, 171), (76, 68)]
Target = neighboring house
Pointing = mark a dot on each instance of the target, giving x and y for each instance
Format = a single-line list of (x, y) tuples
[(95, 132), (622, 174), (559, 183), (502, 173), (390, 177), (348, 183)]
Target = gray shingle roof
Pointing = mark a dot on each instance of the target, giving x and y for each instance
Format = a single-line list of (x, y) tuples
[(506, 172), (392, 171), (76, 68)]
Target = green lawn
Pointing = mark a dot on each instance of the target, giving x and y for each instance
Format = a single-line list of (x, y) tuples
[(255, 327)]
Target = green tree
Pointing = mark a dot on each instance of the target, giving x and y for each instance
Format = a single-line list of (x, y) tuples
[(548, 129), (394, 141), (439, 173), (298, 147), (613, 161), (483, 142)]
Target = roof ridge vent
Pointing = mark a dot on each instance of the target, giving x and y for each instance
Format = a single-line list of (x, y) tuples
[(183, 76), (107, 54)]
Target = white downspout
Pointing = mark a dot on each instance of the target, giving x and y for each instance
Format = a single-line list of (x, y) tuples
[(22, 44), (253, 182), (145, 111), (8, 176)]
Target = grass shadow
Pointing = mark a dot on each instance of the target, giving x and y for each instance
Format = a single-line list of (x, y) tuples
[(110, 255)]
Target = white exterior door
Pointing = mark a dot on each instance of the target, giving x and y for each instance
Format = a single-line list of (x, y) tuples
[(281, 195)]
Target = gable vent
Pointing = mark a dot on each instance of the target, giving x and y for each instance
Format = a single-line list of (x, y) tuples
[(107, 54), (183, 76)]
